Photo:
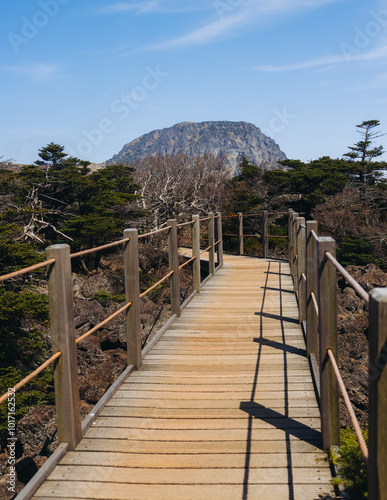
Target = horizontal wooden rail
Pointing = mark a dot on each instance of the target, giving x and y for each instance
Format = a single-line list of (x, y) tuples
[(143, 294), (32, 375), (351, 281), (103, 323), (97, 249), (264, 236), (26, 270), (189, 223), (349, 407), (158, 231), (206, 250), (187, 262)]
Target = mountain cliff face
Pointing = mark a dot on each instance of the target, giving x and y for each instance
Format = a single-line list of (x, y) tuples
[(232, 139)]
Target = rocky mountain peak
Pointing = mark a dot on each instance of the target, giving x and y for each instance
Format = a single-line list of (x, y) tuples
[(231, 139)]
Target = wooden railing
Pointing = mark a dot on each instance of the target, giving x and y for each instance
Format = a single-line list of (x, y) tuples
[(314, 266), (264, 236), (70, 429)]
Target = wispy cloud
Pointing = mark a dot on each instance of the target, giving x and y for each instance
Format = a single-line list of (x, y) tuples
[(151, 6), (138, 7), (378, 53), (227, 16), (37, 72), (379, 82), (201, 36)]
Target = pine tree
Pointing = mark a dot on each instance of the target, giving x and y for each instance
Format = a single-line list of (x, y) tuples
[(362, 148)]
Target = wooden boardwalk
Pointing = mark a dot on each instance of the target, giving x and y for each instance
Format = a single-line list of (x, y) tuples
[(223, 407)]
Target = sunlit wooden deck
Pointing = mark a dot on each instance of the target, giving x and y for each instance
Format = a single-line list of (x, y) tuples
[(223, 407)]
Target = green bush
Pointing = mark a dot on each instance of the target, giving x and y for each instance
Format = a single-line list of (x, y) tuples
[(356, 252), (352, 468), (104, 298)]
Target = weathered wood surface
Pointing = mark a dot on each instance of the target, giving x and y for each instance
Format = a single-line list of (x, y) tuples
[(222, 407)]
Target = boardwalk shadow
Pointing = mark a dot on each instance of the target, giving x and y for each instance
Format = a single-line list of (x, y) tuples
[(289, 426), (277, 317), (279, 421), (281, 346), (277, 290)]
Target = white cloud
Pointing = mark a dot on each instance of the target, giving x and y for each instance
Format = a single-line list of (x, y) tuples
[(139, 7), (150, 6), (228, 16), (201, 36), (378, 53), (37, 72), (380, 82)]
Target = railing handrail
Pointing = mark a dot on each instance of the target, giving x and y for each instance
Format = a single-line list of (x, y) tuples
[(127, 304), (26, 270), (351, 281), (312, 261), (319, 299)]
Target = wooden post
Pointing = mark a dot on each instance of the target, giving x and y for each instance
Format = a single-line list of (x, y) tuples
[(265, 233), (219, 237), (377, 429), (295, 256), (301, 267), (60, 294), (132, 294), (211, 242), (174, 266), (290, 238), (240, 233), (196, 252), (329, 403), (311, 286)]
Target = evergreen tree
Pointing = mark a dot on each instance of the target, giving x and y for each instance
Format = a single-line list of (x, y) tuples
[(366, 170), (362, 148), (52, 156)]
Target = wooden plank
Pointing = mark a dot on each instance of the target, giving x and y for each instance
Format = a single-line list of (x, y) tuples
[(102, 491), (277, 404), (223, 368), (188, 461), (206, 413), (131, 475), (200, 447), (199, 435), (198, 379), (216, 387), (124, 422), (261, 396)]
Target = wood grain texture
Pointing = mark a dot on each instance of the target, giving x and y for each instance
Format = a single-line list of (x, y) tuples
[(222, 407)]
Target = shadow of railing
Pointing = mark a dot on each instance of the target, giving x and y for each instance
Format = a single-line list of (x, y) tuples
[(282, 421)]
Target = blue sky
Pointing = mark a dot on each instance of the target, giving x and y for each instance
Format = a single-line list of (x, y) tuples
[(93, 75)]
